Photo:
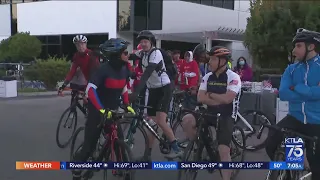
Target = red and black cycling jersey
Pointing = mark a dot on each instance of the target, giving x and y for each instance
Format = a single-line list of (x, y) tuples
[(106, 86), (86, 61)]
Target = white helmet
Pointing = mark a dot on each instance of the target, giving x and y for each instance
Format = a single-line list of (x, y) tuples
[(80, 38)]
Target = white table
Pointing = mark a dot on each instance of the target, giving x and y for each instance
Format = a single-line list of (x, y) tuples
[(8, 89)]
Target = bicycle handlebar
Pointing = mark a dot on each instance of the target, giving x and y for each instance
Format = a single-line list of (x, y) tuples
[(290, 132), (116, 115), (81, 93), (199, 113)]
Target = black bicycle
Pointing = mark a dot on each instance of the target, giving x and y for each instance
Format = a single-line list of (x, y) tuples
[(110, 148), (280, 155), (69, 119), (195, 150)]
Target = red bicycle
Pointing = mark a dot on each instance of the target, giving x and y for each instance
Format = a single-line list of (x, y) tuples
[(110, 147)]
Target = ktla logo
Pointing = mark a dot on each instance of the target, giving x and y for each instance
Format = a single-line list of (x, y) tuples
[(294, 149)]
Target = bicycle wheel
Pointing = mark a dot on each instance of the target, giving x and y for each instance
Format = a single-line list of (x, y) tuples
[(129, 135), (253, 142), (74, 148), (68, 123), (236, 148), (191, 154), (122, 153)]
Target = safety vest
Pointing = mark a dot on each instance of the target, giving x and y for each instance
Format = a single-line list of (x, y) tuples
[(230, 65)]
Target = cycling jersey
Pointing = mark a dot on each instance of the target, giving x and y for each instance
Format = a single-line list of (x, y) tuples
[(106, 86), (138, 70), (85, 61), (304, 100), (156, 79), (228, 80), (79, 78)]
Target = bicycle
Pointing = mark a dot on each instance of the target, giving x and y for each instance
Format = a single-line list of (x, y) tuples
[(111, 148), (71, 117), (280, 156), (139, 122), (205, 140)]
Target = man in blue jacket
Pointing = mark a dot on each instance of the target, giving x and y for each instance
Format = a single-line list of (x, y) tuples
[(300, 86)]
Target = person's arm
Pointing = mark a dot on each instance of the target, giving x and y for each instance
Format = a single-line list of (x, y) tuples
[(310, 93), (125, 96), (96, 80), (233, 88), (285, 93), (155, 59), (203, 96)]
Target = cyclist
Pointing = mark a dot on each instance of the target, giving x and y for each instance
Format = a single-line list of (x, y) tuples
[(300, 86), (159, 86), (218, 90), (84, 59), (103, 91), (77, 83)]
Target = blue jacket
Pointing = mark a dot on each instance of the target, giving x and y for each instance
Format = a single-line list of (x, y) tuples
[(304, 100)]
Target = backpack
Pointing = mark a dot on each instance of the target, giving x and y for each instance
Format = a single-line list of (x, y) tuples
[(171, 68)]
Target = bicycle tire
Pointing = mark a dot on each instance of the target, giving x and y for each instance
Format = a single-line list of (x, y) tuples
[(140, 128), (73, 142), (188, 150), (273, 174), (235, 141), (267, 118), (58, 141), (128, 158)]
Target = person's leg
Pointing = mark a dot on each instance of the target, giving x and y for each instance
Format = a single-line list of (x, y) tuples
[(224, 136), (313, 156), (91, 136), (189, 126)]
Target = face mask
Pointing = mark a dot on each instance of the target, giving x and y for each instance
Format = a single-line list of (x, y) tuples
[(241, 63)]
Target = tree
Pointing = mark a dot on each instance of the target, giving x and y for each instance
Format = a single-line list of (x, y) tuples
[(272, 26), (21, 47)]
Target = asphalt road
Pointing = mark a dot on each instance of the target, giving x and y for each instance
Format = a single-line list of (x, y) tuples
[(27, 133)]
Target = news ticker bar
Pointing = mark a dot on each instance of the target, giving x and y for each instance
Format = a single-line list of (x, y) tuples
[(55, 165)]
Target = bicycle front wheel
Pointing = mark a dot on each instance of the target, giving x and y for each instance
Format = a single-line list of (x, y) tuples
[(129, 131), (122, 153), (68, 120), (236, 148), (251, 124)]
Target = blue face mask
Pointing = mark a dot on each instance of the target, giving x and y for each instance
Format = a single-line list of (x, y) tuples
[(241, 63)]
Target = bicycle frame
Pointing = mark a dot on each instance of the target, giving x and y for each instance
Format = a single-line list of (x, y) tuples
[(246, 132), (76, 103)]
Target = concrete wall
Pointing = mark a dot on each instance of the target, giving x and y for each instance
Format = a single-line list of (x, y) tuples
[(68, 17), (5, 21)]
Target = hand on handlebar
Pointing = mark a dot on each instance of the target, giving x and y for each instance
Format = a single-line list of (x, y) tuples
[(107, 114)]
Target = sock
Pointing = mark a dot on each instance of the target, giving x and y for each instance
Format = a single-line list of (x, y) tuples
[(174, 146)]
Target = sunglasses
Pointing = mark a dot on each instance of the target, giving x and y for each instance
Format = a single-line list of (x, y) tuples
[(125, 53)]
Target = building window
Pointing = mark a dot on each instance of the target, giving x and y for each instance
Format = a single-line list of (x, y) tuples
[(193, 1), (206, 2), (140, 15), (54, 50), (53, 40), (218, 3), (228, 4), (124, 15), (154, 15), (14, 25), (4, 1)]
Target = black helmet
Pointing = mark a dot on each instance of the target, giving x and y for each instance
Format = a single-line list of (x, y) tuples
[(220, 51), (113, 46), (304, 35), (145, 34)]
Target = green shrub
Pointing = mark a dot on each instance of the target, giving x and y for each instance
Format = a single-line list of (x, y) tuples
[(48, 71), (21, 47)]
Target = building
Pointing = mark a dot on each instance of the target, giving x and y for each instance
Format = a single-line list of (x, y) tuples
[(195, 21)]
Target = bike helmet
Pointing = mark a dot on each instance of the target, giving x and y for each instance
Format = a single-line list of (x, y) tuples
[(146, 35), (80, 38), (220, 51), (306, 36), (113, 46)]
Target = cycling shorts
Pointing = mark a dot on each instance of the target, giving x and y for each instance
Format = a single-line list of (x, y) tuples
[(159, 99)]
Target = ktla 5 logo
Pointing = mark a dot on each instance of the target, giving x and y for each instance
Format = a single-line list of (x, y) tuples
[(296, 150)]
